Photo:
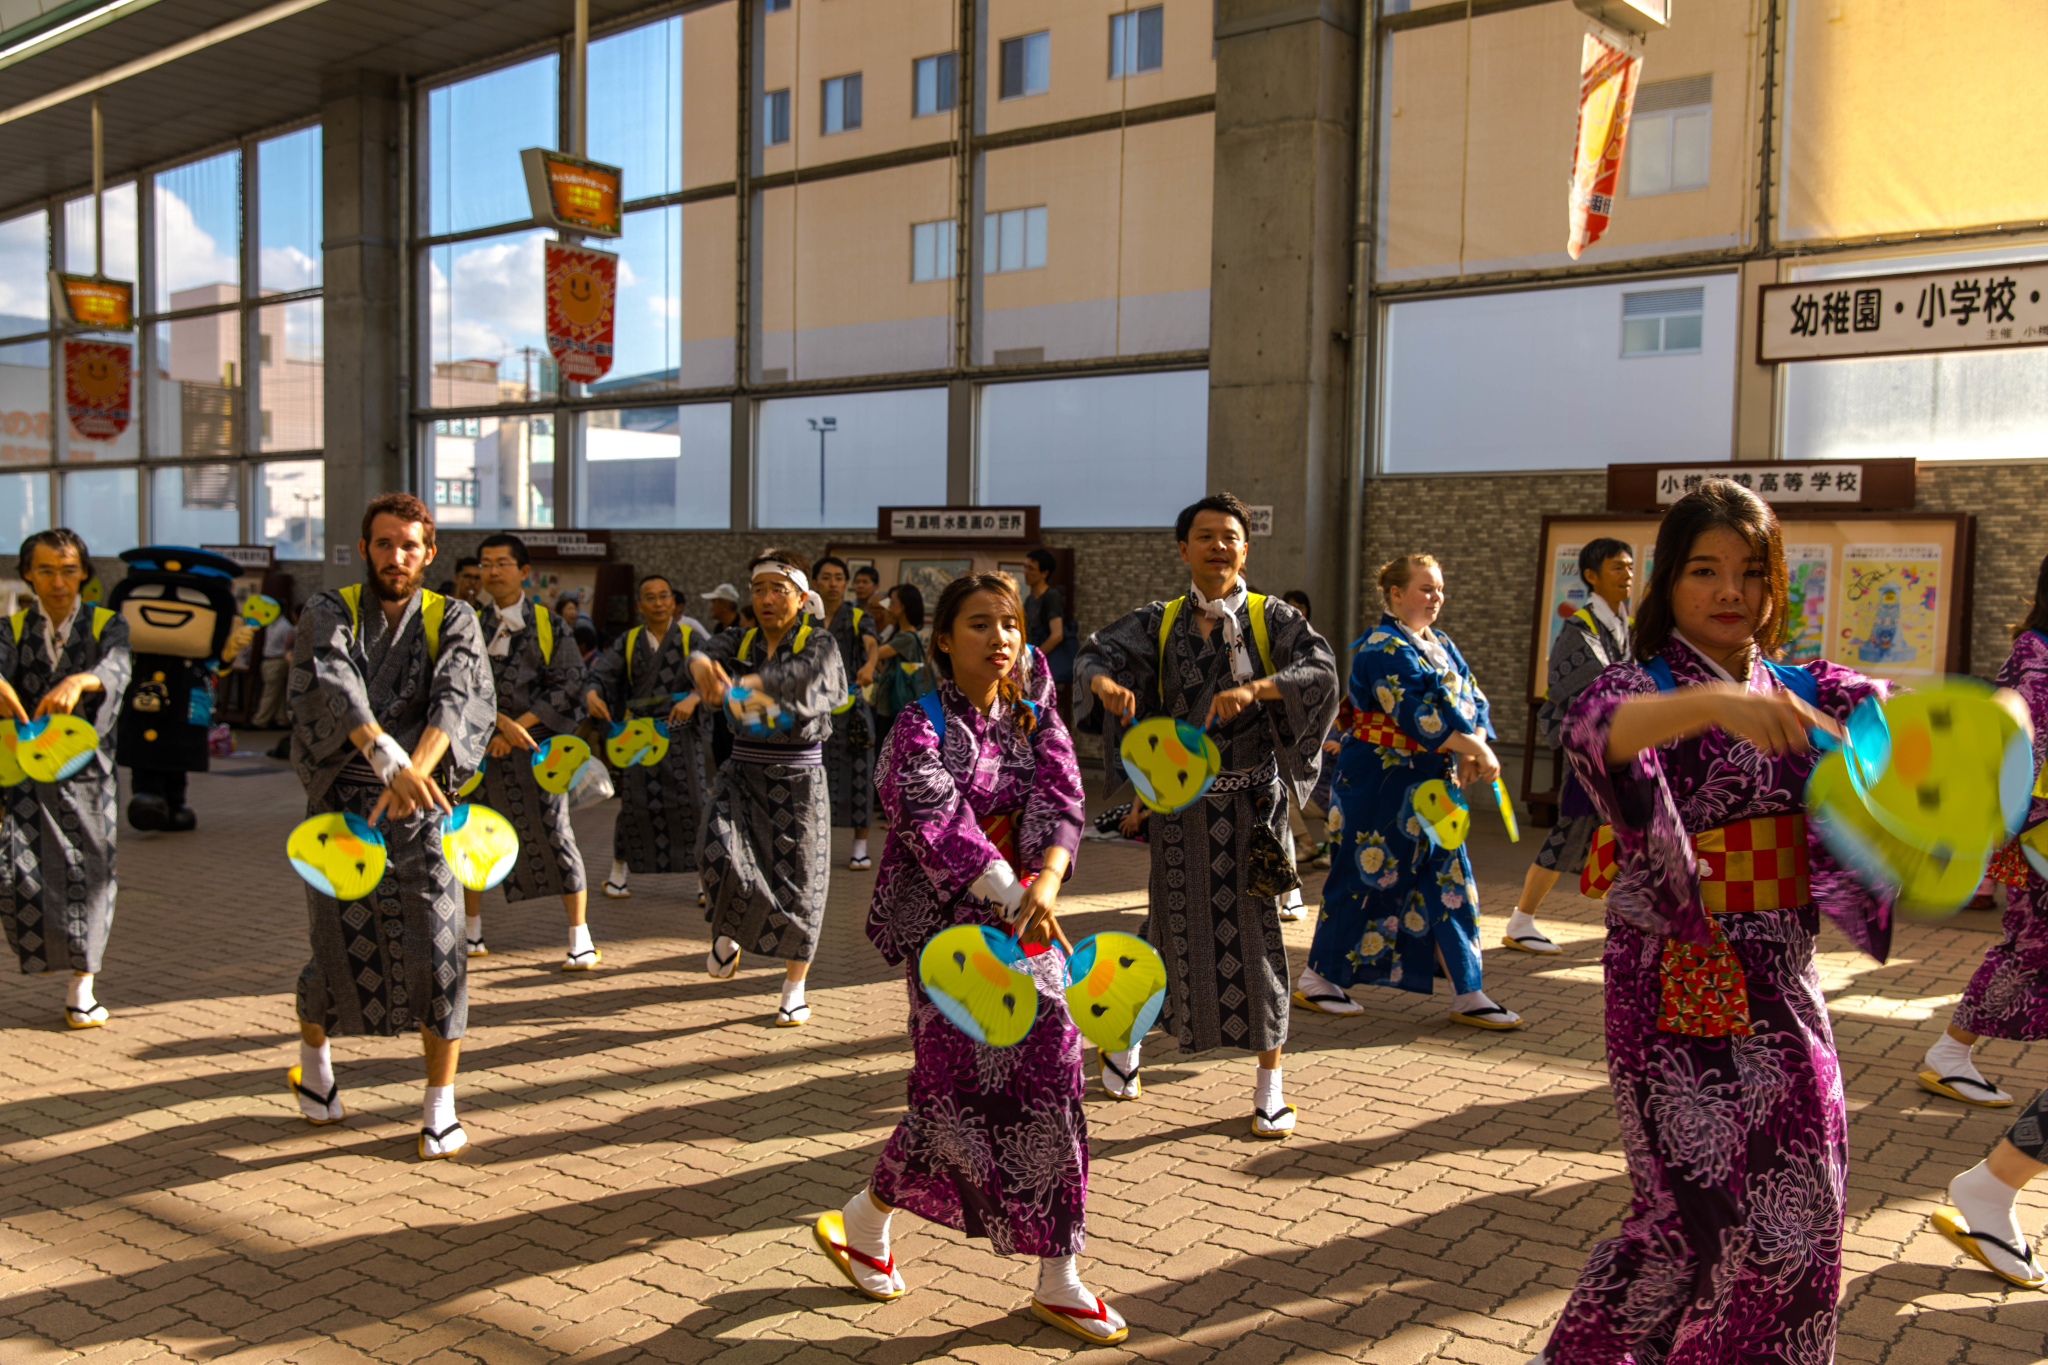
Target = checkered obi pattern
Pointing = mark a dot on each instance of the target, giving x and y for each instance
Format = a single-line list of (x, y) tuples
[(1377, 727), (2009, 865), (1758, 864)]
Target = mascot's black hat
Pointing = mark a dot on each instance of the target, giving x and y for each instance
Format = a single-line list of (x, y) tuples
[(183, 566)]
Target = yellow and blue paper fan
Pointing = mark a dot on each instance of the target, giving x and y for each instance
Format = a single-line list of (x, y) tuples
[(259, 611), (338, 854), (1507, 812), (480, 846), (631, 740), (1170, 763), (475, 780), (972, 973), (1440, 808), (12, 774), (1116, 988), (54, 747), (556, 761), (753, 712)]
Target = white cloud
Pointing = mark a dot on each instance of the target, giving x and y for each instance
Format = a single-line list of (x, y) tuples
[(190, 256), (492, 304), (286, 268)]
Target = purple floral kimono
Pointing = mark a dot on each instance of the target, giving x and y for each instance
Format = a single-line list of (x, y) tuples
[(994, 1143), (2008, 997), (1737, 1146)]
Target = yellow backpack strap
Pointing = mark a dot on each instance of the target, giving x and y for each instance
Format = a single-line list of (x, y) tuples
[(746, 644), (1166, 619), (352, 598), (100, 617), (544, 626), (433, 607), (632, 639), (858, 616), (1256, 602), (803, 632), (20, 623), (686, 643), (1584, 616)]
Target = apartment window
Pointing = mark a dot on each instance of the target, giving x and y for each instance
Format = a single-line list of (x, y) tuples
[(1662, 322), (774, 6), (841, 112), (1670, 135), (932, 84), (1136, 41), (1014, 240), (1027, 65), (931, 250), (775, 118)]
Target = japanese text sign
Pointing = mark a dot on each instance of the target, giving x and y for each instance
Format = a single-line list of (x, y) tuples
[(1607, 90), (1261, 520), (98, 378), (580, 287), (961, 523), (1832, 481), (1935, 310), (95, 304), (573, 194)]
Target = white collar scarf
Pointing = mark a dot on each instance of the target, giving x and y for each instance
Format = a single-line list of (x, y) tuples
[(1224, 611), (1607, 616), (511, 619), (56, 633)]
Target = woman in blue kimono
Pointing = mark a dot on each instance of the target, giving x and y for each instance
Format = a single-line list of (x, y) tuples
[(1399, 908)]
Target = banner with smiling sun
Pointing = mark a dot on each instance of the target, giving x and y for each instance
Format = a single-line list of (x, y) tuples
[(580, 287), (98, 377)]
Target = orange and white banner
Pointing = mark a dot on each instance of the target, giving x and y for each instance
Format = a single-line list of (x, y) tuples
[(581, 288), (1608, 72), (98, 379)]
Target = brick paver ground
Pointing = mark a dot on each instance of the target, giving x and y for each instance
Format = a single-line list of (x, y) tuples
[(647, 1154)]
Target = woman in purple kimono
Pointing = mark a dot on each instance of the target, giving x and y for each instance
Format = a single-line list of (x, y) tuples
[(984, 816), (2008, 997), (1723, 1064)]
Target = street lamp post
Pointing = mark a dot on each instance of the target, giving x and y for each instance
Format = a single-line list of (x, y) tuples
[(824, 426)]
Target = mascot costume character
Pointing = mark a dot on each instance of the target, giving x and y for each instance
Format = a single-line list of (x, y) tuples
[(180, 607)]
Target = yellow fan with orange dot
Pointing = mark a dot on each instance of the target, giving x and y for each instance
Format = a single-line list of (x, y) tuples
[(337, 854)]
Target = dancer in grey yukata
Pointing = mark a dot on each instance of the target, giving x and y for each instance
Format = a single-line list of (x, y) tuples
[(60, 656), (850, 748), (1253, 671), (661, 809), (537, 674), (768, 839), (386, 681)]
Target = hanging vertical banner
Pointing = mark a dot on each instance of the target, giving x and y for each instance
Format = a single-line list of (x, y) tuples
[(580, 286), (97, 378), (1608, 70)]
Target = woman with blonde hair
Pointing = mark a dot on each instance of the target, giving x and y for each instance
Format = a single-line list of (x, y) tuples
[(1399, 905)]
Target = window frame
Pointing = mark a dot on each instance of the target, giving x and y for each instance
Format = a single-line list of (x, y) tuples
[(847, 90), (945, 84), (1639, 124), (1127, 36), (1021, 44)]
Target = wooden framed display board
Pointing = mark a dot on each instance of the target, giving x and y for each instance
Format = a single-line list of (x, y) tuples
[(1886, 594)]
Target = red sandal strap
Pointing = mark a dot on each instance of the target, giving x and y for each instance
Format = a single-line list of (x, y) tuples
[(1101, 1313), (887, 1267)]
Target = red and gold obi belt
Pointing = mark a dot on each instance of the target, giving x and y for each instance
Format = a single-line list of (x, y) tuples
[(1757, 864), (1377, 727), (1002, 832)]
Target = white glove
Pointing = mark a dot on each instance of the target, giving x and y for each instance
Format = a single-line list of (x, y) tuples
[(998, 882), (388, 757)]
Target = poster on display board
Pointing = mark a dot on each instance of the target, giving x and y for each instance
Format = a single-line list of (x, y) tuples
[(1886, 595)]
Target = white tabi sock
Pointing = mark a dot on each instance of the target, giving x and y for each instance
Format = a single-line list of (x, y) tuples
[(1126, 1062), (723, 960), (1949, 1057), (1314, 984), (867, 1231), (1266, 1091), (437, 1115), (579, 939), (1986, 1203), (1521, 922), (78, 994), (860, 848), (1292, 900), (793, 995), (1059, 1284), (617, 876), (473, 927), (1472, 1001), (316, 1068)]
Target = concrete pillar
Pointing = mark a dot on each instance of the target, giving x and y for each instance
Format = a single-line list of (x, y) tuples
[(1286, 109), (366, 395)]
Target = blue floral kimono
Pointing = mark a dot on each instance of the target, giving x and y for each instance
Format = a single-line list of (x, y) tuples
[(1394, 900)]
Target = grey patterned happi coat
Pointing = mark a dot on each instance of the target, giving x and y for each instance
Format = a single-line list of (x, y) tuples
[(396, 959), (768, 837), (550, 864), (59, 894), (850, 771), (994, 1142), (1737, 1146), (661, 809), (1226, 967)]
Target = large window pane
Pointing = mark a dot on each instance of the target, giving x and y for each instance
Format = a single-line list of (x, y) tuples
[(122, 243), (488, 345), (24, 508), (492, 471), (476, 129), (195, 390), (195, 504), (647, 321), (24, 285), (657, 467), (1097, 245), (290, 376), (1498, 381), (1123, 450), (288, 212), (198, 233), (850, 452), (636, 106), (1068, 72), (25, 403), (853, 80), (291, 508), (99, 504), (838, 289), (125, 445), (1970, 405)]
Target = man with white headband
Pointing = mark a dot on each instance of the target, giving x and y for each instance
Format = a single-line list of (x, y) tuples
[(768, 834), (1253, 672)]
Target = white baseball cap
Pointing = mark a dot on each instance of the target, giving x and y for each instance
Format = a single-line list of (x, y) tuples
[(724, 592)]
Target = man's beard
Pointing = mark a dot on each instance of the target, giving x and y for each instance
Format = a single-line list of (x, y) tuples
[(381, 585)]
